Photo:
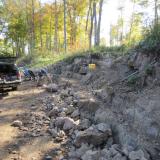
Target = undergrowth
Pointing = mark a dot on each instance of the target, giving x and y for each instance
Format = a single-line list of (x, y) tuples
[(39, 59), (151, 41)]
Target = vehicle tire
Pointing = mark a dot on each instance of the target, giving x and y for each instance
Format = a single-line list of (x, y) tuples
[(14, 88)]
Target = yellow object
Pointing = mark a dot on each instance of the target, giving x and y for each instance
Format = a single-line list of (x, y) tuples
[(92, 66)]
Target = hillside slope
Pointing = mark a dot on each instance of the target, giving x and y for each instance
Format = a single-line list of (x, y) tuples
[(126, 91)]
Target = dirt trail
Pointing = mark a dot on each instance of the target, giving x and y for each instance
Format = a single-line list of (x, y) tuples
[(13, 145)]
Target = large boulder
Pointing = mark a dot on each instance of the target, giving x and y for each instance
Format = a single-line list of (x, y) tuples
[(91, 155), (84, 124), (95, 135), (139, 61), (65, 122), (103, 155), (102, 116), (80, 151), (138, 155), (52, 87), (68, 124), (90, 105), (142, 61)]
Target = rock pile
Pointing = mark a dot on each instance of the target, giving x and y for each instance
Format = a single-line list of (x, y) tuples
[(84, 137), (95, 121), (33, 124)]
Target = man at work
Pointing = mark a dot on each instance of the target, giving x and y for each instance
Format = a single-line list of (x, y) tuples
[(43, 77)]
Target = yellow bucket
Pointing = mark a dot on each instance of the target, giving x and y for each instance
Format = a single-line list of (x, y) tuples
[(92, 66)]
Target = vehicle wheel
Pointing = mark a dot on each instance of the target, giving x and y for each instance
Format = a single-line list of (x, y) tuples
[(14, 88)]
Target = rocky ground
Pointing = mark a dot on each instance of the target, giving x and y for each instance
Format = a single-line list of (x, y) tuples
[(109, 113)]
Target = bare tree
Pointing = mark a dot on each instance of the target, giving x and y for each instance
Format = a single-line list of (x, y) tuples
[(50, 26), (156, 12), (88, 14), (55, 27), (47, 41), (28, 27), (121, 23), (91, 29), (65, 29), (132, 20), (99, 22), (40, 25), (72, 18), (95, 23), (110, 36), (33, 27)]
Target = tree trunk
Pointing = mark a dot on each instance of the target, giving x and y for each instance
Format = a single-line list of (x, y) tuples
[(47, 40), (111, 38), (40, 25), (132, 20), (91, 29), (95, 23), (156, 12), (122, 25), (13, 47), (88, 13), (71, 26), (50, 30), (99, 22), (74, 24), (33, 29), (65, 30), (29, 32), (56, 28)]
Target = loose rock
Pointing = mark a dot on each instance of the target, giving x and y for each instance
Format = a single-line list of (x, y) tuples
[(17, 123), (52, 88), (53, 133), (84, 124), (68, 124), (65, 122), (70, 109), (75, 114)]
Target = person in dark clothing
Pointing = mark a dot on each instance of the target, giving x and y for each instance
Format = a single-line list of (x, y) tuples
[(32, 75), (42, 74), (27, 73)]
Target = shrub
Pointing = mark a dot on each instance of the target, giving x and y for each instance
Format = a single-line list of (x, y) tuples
[(133, 80), (151, 41), (149, 70)]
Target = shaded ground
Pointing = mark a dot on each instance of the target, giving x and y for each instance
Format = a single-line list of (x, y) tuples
[(13, 144)]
